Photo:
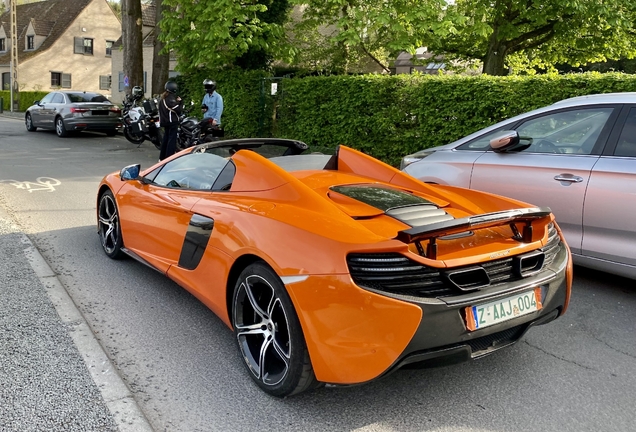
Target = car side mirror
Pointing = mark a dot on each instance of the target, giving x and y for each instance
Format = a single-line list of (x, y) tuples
[(37, 102), (509, 141), (131, 172)]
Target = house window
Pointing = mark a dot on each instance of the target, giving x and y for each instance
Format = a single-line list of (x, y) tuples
[(56, 79), (104, 82), (30, 42), (83, 46), (88, 46), (109, 48), (3, 44), (59, 79)]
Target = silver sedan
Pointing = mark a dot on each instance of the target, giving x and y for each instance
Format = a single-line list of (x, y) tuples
[(67, 111), (577, 156)]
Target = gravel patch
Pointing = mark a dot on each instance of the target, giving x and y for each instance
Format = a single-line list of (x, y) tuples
[(44, 382)]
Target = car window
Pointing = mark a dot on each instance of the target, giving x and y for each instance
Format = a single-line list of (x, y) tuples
[(87, 97), (191, 171), (481, 143), (58, 98), (626, 145), (48, 98), (571, 132)]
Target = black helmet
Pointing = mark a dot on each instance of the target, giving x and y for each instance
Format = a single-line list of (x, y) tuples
[(171, 87), (137, 91), (209, 85)]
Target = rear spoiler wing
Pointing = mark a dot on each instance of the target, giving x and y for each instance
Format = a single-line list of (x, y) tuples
[(441, 229)]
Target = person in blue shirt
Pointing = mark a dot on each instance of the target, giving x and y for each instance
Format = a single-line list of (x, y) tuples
[(213, 101)]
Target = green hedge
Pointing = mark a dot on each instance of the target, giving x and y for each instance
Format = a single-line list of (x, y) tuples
[(26, 99), (386, 116), (391, 116), (241, 92)]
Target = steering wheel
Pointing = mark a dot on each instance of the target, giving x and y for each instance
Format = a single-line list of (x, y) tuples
[(545, 146)]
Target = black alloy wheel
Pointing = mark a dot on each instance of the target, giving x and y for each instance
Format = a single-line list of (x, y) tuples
[(269, 335), (108, 226), (60, 129), (28, 121)]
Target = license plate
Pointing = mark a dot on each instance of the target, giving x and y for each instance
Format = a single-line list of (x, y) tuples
[(495, 312)]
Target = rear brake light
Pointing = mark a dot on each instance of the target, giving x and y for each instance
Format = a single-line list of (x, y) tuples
[(115, 110), (79, 110)]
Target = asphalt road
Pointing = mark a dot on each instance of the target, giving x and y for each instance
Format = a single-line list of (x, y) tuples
[(180, 361)]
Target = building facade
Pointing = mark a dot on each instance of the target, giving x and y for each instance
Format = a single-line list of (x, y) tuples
[(64, 44)]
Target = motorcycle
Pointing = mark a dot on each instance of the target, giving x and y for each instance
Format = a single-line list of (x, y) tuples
[(193, 131), (141, 123)]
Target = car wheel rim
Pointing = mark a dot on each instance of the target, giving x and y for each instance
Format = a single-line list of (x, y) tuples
[(108, 224), (262, 330), (59, 126), (28, 121)]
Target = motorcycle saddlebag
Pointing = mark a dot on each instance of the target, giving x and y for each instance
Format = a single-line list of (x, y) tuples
[(138, 127), (150, 106)]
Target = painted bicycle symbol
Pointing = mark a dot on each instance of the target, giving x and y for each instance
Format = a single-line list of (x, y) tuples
[(40, 184)]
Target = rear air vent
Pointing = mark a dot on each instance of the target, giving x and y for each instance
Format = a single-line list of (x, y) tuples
[(419, 214)]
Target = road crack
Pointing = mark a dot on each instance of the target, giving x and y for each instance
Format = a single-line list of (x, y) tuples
[(560, 358), (613, 348)]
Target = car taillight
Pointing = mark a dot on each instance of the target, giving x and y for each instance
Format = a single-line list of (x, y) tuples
[(79, 110), (115, 110)]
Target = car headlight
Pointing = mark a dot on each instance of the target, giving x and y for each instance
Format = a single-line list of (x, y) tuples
[(409, 159)]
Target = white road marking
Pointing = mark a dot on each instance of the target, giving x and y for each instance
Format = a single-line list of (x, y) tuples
[(40, 184)]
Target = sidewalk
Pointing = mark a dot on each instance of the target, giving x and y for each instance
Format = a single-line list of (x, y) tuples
[(54, 376), (15, 114)]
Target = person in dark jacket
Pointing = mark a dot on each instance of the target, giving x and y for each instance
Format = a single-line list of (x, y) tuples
[(169, 112)]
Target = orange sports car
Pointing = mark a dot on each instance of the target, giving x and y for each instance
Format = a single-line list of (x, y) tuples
[(337, 268)]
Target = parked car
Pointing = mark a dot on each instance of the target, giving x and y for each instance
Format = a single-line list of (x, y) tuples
[(337, 268), (577, 156), (67, 111)]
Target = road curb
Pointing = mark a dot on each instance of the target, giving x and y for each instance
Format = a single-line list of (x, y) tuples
[(117, 396)]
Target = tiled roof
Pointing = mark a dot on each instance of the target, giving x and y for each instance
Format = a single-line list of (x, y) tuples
[(148, 11), (52, 15), (42, 27)]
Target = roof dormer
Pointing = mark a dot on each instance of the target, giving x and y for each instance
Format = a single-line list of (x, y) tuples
[(36, 33), (4, 41)]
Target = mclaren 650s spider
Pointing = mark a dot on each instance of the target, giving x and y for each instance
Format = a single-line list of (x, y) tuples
[(338, 268)]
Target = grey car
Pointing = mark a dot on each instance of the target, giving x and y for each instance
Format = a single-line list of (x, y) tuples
[(67, 111), (577, 156)]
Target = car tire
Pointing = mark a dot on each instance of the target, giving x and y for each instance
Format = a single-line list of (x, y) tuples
[(108, 226), (111, 133), (28, 121), (269, 335), (60, 129)]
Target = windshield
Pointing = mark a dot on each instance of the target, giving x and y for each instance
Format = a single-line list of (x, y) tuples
[(87, 97)]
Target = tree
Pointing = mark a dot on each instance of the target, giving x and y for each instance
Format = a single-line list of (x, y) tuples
[(161, 58), (216, 33), (116, 7), (524, 34), (131, 38), (354, 29)]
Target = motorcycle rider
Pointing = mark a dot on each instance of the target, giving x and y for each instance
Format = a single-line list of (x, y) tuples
[(169, 111), (213, 101)]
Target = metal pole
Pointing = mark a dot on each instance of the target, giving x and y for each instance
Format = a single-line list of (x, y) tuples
[(11, 85), (14, 56)]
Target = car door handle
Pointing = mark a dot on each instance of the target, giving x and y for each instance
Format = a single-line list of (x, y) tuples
[(568, 178)]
